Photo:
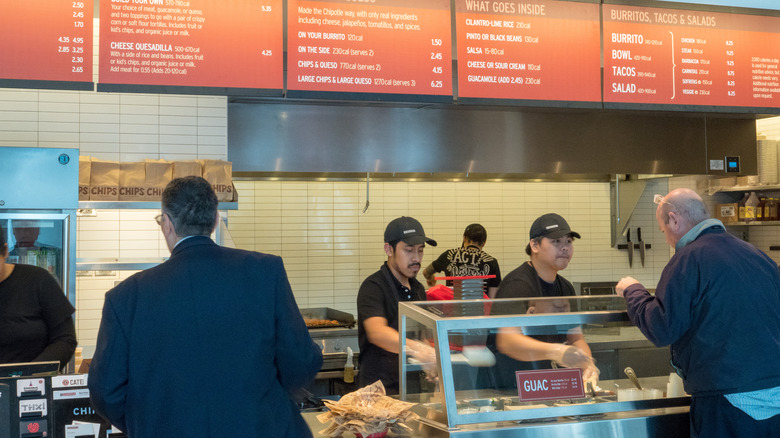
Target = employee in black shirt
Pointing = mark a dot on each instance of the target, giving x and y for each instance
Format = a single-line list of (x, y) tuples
[(36, 323), (550, 248), (467, 261), (377, 306)]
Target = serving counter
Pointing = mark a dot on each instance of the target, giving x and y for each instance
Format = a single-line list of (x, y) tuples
[(471, 395)]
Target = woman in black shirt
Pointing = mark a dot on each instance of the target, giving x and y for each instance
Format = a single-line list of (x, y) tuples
[(36, 323)]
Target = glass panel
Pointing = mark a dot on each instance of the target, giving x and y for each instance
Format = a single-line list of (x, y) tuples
[(37, 242), (482, 344)]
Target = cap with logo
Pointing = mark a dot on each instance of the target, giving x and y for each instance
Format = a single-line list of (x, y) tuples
[(552, 226), (407, 229)]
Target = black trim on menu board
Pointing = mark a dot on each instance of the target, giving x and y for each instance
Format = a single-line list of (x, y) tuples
[(177, 89), (47, 85), (691, 108), (530, 103), (371, 97), (693, 7)]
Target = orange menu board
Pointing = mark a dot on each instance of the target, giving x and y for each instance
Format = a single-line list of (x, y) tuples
[(370, 46), (191, 43), (46, 40), (681, 57), (537, 50)]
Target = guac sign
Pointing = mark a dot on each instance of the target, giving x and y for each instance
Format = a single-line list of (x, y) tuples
[(558, 384)]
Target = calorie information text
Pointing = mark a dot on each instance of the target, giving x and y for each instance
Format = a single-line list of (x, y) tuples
[(372, 46), (53, 42), (543, 50), (667, 56), (202, 43)]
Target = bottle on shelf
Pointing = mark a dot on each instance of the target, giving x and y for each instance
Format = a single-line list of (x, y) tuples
[(771, 210), (741, 207), (760, 209), (751, 206)]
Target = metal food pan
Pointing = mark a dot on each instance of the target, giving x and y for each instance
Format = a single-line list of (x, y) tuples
[(345, 319)]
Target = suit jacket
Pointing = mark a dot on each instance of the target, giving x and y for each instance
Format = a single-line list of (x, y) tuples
[(207, 344)]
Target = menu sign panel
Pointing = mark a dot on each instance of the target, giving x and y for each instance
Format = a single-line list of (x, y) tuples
[(679, 57), (195, 43), (50, 40), (540, 50), (370, 46)]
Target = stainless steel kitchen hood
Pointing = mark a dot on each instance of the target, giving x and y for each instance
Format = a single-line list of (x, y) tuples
[(316, 138)]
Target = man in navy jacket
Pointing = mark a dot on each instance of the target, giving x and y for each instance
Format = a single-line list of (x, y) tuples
[(718, 305), (209, 343)]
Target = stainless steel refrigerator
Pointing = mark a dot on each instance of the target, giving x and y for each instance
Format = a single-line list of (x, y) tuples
[(38, 204)]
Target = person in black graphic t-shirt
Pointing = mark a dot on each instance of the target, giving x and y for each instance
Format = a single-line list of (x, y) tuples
[(467, 261)]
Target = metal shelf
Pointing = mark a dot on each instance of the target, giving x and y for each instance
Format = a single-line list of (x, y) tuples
[(130, 205), (752, 224), (117, 265), (747, 188)]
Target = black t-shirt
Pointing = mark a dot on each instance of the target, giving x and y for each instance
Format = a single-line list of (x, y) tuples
[(35, 318), (379, 295), (468, 262), (524, 282)]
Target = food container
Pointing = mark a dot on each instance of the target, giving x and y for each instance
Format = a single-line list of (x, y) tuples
[(320, 314)]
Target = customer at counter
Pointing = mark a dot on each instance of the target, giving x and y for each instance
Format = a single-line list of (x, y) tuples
[(467, 260), (718, 304), (377, 305), (550, 249), (36, 318), (209, 343)]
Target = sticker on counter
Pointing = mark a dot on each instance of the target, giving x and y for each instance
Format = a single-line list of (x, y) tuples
[(549, 384), (71, 394), (69, 381), (28, 407), (27, 386)]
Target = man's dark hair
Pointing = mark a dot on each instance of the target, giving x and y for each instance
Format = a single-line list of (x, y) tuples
[(476, 233), (394, 244), (2, 239), (191, 205)]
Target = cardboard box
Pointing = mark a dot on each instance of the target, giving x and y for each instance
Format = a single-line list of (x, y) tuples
[(727, 213)]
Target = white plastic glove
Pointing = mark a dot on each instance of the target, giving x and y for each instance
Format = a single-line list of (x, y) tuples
[(571, 357)]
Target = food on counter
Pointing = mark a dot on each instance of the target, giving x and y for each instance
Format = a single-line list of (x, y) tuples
[(365, 412), (311, 322)]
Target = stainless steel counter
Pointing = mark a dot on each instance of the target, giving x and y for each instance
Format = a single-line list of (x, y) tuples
[(667, 423)]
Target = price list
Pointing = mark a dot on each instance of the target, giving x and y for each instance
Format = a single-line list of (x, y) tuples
[(370, 46), (53, 42), (538, 50), (193, 43), (679, 57)]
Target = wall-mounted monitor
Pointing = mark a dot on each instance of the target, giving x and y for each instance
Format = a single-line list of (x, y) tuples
[(46, 44), (192, 46), (690, 60), (369, 50), (542, 53)]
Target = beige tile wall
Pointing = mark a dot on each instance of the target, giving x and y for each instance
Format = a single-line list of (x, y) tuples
[(114, 126), (329, 245)]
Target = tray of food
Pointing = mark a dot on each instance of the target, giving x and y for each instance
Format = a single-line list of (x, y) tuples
[(325, 317)]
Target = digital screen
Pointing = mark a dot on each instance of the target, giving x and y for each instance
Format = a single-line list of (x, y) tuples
[(373, 46), (48, 40), (229, 44), (545, 50), (680, 57)]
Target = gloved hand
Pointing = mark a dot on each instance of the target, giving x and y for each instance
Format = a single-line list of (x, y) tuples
[(591, 375), (571, 357)]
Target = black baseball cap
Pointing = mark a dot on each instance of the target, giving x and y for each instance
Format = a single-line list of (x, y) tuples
[(552, 226), (407, 229)]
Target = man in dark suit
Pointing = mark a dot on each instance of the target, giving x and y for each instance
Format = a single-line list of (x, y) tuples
[(209, 343)]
